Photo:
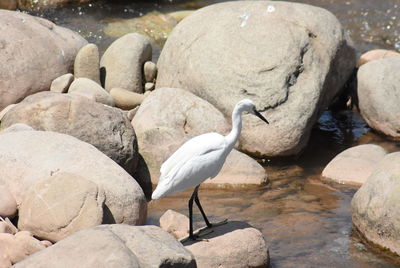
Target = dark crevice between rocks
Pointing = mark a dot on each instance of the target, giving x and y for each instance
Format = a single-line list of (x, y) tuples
[(292, 79), (185, 126)]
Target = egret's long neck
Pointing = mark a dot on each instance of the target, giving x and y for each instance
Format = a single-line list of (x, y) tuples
[(233, 136)]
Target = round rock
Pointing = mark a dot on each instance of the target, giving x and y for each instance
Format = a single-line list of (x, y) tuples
[(123, 62), (61, 205), (377, 54), (87, 63), (87, 86), (378, 94), (376, 205), (29, 156), (235, 244), (62, 83), (114, 246), (291, 68), (126, 99), (354, 165), (106, 128), (175, 223), (45, 51), (150, 71)]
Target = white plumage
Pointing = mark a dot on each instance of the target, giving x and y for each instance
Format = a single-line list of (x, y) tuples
[(200, 158)]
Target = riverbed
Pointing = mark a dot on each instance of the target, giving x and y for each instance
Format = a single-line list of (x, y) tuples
[(306, 221)]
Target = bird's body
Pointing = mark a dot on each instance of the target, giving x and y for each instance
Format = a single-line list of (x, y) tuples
[(200, 158)]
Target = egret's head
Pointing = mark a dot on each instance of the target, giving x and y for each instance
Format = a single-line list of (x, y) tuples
[(247, 105)]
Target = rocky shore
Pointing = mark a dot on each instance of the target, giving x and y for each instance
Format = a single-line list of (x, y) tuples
[(83, 135)]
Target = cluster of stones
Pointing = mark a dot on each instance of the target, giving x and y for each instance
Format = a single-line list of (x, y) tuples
[(116, 78)]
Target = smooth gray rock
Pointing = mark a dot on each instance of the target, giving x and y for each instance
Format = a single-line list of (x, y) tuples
[(291, 59), (150, 71), (376, 205), (33, 52), (354, 165), (106, 128), (87, 63), (123, 61), (88, 86), (62, 83), (378, 90), (60, 205), (116, 245)]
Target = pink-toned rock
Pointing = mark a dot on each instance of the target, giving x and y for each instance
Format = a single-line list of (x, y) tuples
[(175, 223), (376, 205), (123, 61), (62, 83), (377, 54), (234, 245), (7, 228), (46, 243), (354, 165), (378, 87), (8, 206), (60, 205), (29, 156), (45, 51)]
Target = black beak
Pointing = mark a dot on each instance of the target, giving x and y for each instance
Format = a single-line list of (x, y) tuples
[(257, 113)]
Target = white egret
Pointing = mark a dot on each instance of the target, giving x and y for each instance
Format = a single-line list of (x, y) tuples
[(200, 158)]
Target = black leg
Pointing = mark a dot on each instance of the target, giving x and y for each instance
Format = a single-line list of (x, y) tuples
[(191, 236), (196, 199)]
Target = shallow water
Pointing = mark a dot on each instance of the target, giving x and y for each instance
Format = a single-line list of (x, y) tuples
[(306, 223), (370, 23)]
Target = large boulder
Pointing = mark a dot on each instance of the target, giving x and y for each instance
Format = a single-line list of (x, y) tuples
[(378, 94), (291, 59), (60, 205), (116, 245), (168, 117), (123, 62), (33, 52), (235, 245), (354, 165), (29, 156), (106, 128), (376, 205)]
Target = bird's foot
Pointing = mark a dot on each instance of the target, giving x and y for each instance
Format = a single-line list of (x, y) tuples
[(198, 237), (215, 224)]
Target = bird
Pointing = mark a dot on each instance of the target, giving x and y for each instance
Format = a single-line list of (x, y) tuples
[(200, 158)]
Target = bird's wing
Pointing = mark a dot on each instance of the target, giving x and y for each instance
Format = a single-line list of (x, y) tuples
[(196, 146)]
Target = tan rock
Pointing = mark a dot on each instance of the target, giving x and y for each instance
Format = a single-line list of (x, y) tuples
[(126, 99), (88, 86), (131, 113), (149, 86), (123, 61), (175, 223), (114, 246), (378, 84), (376, 205), (61, 84), (6, 226), (106, 128), (46, 243), (354, 165), (235, 245), (305, 61), (150, 71), (61, 205), (376, 54), (54, 50), (8, 206), (87, 63), (29, 156), (17, 127)]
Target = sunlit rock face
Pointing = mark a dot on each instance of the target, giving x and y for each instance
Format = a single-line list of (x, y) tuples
[(290, 59)]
